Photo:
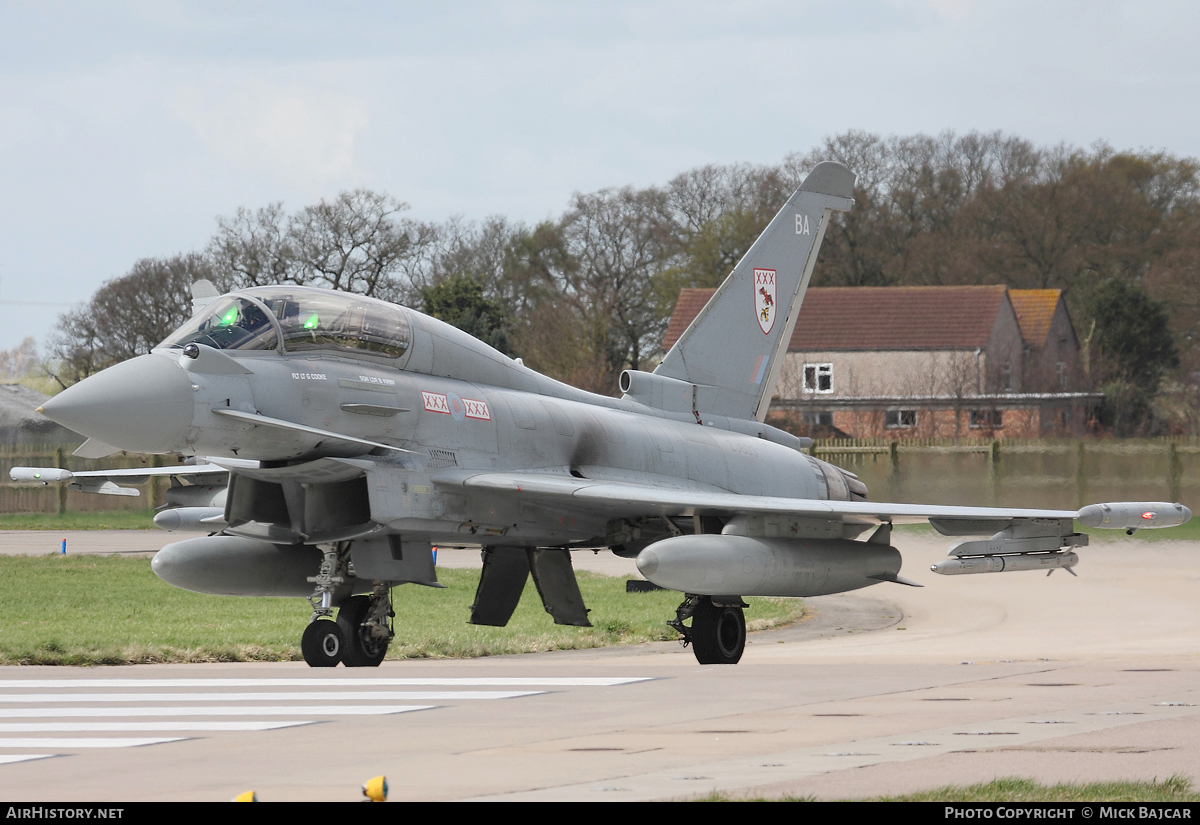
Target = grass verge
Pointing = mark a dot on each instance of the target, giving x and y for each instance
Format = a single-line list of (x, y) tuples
[(1015, 789), (92, 610), (84, 520)]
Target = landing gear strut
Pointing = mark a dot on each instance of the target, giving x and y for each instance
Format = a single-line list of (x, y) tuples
[(363, 630), (322, 642), (718, 631)]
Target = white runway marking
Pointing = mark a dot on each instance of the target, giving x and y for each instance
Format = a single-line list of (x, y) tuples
[(298, 696), (62, 706), (8, 759), (550, 681), (80, 742), (142, 727), (312, 710)]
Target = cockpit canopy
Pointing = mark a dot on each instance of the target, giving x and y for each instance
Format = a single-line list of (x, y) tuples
[(298, 319)]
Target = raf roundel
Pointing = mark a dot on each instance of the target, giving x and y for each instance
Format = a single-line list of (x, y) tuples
[(458, 410)]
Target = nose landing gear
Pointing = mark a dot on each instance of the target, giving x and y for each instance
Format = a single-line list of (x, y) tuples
[(360, 635)]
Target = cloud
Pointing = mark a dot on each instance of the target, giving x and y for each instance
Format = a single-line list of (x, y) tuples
[(953, 9), (303, 134)]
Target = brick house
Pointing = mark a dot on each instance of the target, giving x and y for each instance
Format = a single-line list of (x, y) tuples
[(971, 361)]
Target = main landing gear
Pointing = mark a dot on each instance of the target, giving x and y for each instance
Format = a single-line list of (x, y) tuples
[(365, 628), (718, 631), (360, 635)]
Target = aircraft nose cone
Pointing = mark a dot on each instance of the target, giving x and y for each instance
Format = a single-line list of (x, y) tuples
[(143, 405)]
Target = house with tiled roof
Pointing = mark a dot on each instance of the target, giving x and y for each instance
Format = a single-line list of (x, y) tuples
[(1051, 360), (927, 361)]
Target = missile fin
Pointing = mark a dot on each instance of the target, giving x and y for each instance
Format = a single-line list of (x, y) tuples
[(898, 579)]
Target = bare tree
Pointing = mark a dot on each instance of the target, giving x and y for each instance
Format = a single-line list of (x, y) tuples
[(618, 239), (22, 361), (127, 316), (359, 243), (253, 248)]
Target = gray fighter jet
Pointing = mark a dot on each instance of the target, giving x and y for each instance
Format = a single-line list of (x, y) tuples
[(344, 437)]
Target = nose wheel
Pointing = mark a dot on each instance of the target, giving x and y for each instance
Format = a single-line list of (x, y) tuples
[(322, 643)]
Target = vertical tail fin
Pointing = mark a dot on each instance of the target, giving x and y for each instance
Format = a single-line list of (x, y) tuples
[(737, 342)]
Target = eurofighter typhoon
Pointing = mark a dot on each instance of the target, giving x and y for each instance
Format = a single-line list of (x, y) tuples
[(339, 439)]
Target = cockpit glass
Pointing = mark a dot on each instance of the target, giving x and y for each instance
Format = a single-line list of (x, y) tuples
[(310, 319), (228, 323), (316, 319)]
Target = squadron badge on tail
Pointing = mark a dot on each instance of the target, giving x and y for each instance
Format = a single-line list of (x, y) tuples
[(764, 298)]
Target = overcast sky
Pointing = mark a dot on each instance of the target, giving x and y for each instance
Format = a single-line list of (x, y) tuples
[(126, 128)]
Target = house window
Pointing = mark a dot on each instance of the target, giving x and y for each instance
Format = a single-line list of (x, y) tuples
[(987, 419), (818, 377), (820, 419), (1062, 375), (894, 419), (1006, 382)]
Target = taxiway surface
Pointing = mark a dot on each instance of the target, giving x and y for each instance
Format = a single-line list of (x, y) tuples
[(886, 690)]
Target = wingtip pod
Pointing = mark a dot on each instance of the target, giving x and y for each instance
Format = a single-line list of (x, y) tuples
[(830, 178), (1134, 515), (42, 474)]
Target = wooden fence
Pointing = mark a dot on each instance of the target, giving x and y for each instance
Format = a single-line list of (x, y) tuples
[(31, 497)]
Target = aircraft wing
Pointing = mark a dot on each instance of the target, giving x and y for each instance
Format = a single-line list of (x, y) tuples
[(626, 500)]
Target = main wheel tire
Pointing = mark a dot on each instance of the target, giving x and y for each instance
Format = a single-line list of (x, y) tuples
[(361, 648), (322, 643), (718, 633)]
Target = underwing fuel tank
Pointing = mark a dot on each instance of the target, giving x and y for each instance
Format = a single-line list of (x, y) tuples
[(712, 565), (235, 566)]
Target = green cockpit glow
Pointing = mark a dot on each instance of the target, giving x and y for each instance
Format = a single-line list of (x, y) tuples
[(295, 319)]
